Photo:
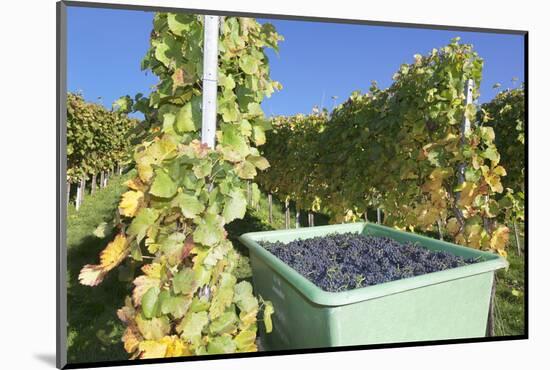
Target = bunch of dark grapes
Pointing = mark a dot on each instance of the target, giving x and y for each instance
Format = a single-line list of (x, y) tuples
[(339, 262)]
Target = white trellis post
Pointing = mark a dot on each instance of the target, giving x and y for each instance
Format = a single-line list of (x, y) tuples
[(466, 124), (287, 214), (93, 184), (68, 192), (270, 207), (210, 79), (516, 233), (464, 131)]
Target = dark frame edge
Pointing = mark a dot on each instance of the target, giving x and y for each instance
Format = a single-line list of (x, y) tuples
[(292, 352), (61, 196), (526, 183)]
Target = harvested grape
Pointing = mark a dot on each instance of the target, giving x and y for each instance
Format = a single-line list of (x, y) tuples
[(339, 262)]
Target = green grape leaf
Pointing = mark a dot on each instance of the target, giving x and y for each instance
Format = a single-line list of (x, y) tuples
[(235, 206), (184, 281), (255, 109), (249, 64), (226, 323), (202, 169), (192, 326), (172, 247), (179, 24), (202, 275), (268, 311), (177, 306), (223, 295), (188, 117), (472, 175), (145, 218), (226, 81), (189, 205), (233, 144), (199, 304), (491, 153), (163, 186), (244, 298), (260, 162), (149, 302), (245, 170), (153, 329), (210, 230), (221, 344)]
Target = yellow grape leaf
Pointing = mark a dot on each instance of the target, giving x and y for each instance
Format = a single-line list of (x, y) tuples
[(152, 349), (131, 339), (453, 226), (473, 234), (142, 284), (246, 339), (201, 150), (499, 170), (268, 311), (426, 215), (145, 171), (152, 270), (175, 347), (130, 203), (460, 240), (436, 179), (91, 275), (115, 252), (494, 182), (499, 239), (477, 162), (136, 184), (467, 194), (109, 258), (247, 319)]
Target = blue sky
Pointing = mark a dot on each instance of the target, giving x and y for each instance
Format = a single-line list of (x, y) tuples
[(316, 61)]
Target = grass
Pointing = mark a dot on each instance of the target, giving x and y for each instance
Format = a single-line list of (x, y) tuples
[(510, 296), (94, 330)]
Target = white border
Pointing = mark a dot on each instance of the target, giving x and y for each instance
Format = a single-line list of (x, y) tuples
[(27, 187)]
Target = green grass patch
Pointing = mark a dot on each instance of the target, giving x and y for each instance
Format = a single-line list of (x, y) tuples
[(94, 330), (510, 296)]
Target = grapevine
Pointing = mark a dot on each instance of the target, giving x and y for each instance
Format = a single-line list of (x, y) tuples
[(506, 115), (400, 149), (188, 300), (97, 138)]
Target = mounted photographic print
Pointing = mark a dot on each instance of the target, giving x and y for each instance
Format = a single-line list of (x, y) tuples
[(239, 185)]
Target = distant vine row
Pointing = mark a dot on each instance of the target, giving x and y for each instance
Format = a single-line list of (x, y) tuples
[(401, 149)]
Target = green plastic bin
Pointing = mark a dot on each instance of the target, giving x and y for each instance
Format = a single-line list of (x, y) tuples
[(447, 304)]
